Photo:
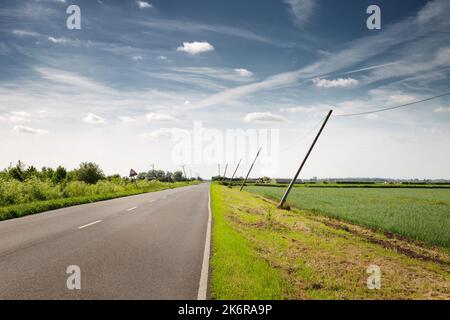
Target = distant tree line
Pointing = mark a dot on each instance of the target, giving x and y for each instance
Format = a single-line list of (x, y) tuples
[(165, 176)]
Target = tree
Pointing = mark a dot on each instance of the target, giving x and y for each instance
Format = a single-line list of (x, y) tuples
[(178, 176), (89, 172), (60, 174), (47, 173), (17, 172)]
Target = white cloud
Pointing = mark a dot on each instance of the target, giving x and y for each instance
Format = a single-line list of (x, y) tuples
[(400, 99), (263, 117), (162, 58), (126, 119), (335, 83), (243, 72), (160, 117), (17, 116), (298, 109), (301, 10), (195, 47), (92, 118), (29, 130), (25, 33), (372, 116), (73, 80), (165, 133), (137, 58), (57, 40), (143, 4), (442, 109)]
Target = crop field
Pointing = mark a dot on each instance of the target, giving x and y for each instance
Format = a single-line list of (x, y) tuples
[(419, 214), (261, 252)]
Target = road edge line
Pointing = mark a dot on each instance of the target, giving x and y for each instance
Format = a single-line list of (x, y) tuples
[(203, 285)]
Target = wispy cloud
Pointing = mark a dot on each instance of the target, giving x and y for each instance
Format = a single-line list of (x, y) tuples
[(160, 117), (301, 10), (29, 130), (92, 118), (25, 33), (263, 117), (357, 51), (165, 133), (57, 40), (442, 109), (300, 109)]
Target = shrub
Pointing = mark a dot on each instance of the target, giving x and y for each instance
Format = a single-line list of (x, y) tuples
[(89, 172)]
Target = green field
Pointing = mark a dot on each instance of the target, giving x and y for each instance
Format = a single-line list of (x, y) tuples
[(420, 214), (261, 252)]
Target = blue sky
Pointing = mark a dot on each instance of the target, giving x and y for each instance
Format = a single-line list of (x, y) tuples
[(137, 71)]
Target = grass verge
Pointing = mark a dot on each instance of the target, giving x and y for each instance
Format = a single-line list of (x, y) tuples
[(261, 252), (20, 210)]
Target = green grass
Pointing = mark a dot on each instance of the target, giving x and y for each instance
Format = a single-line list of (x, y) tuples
[(418, 214), (23, 209), (237, 273), (261, 252)]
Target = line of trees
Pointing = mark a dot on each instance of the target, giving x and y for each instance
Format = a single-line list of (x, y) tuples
[(87, 172), (165, 176)]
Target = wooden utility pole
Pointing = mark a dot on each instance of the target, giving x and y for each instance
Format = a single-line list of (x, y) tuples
[(225, 171), (250, 170), (184, 171), (234, 173), (283, 199)]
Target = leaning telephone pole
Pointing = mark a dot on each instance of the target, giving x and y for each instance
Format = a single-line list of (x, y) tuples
[(184, 171), (283, 199), (250, 170), (234, 173), (225, 172)]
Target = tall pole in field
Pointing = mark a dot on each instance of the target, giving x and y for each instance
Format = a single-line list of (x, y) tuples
[(184, 171), (234, 173), (225, 172), (283, 199), (250, 170), (219, 169)]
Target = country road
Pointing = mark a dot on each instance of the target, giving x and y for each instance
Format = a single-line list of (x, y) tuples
[(147, 246)]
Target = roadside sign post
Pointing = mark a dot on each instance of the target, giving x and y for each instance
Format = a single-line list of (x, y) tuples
[(283, 199), (133, 174)]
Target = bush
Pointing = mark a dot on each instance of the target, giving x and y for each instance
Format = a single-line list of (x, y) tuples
[(89, 172)]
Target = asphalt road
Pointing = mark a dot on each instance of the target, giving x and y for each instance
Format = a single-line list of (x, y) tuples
[(148, 246)]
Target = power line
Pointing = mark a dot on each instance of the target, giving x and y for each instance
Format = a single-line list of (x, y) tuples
[(390, 108)]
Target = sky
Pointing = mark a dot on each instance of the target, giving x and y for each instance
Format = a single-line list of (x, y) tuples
[(166, 83)]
